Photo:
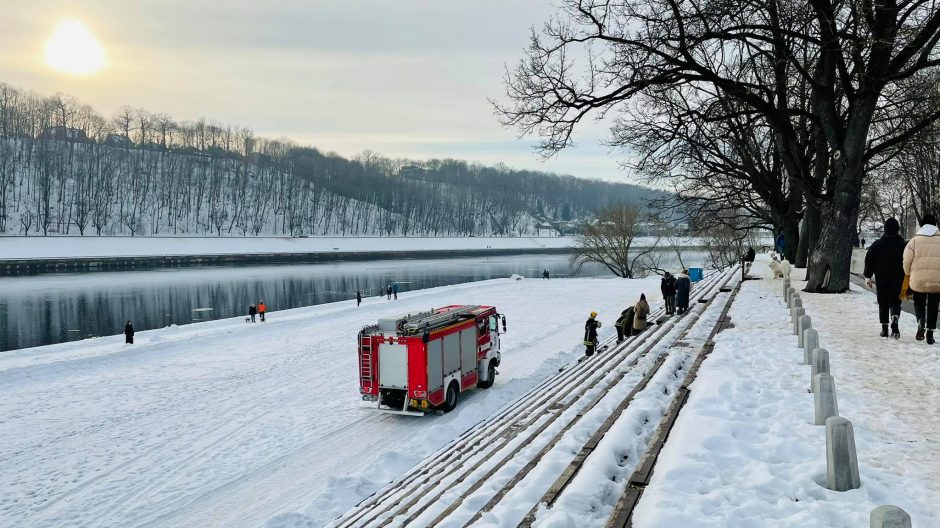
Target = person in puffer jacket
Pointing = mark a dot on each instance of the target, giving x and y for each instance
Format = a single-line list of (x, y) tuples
[(884, 264), (922, 263)]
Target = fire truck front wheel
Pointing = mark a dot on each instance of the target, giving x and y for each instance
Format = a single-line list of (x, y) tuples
[(450, 400), (490, 376)]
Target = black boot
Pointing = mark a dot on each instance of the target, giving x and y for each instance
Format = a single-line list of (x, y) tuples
[(884, 331), (930, 340), (895, 331), (920, 331)]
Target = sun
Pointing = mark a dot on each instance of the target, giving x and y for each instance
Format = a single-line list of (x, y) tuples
[(73, 49)]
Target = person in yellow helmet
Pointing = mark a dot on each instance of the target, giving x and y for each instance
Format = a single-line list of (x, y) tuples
[(590, 334)]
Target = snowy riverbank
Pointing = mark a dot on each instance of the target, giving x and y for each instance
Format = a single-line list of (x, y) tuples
[(22, 248), (745, 452), (230, 424)]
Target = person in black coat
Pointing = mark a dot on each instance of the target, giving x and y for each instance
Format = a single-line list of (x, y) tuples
[(624, 324), (590, 334), (358, 297), (683, 287), (885, 262), (668, 288), (129, 333), (252, 311)]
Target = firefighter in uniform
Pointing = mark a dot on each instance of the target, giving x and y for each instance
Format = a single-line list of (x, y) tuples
[(590, 334)]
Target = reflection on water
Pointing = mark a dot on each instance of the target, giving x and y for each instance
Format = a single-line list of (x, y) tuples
[(54, 308)]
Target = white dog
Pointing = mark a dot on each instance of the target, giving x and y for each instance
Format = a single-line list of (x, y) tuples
[(781, 269)]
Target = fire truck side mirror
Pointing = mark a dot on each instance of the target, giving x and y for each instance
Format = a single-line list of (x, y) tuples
[(504, 323)]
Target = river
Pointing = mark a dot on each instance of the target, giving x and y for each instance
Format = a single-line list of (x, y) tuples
[(54, 308)]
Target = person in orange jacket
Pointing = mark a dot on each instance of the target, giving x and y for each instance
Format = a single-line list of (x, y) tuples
[(262, 309)]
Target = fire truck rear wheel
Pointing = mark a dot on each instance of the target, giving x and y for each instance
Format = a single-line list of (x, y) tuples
[(490, 377), (450, 400)]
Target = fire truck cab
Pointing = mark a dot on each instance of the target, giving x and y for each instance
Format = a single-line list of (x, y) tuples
[(417, 363)]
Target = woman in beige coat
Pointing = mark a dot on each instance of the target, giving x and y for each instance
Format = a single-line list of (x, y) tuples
[(922, 264), (640, 310)]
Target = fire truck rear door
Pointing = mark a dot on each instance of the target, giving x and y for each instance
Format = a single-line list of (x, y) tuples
[(393, 366)]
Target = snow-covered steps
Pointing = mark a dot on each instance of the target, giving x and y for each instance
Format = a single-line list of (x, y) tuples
[(497, 472)]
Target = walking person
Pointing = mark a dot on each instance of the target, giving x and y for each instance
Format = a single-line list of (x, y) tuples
[(590, 334), (624, 324), (885, 262), (922, 263), (640, 311), (395, 290), (262, 309), (388, 291), (545, 273), (683, 287), (129, 333), (358, 297), (251, 312), (668, 288)]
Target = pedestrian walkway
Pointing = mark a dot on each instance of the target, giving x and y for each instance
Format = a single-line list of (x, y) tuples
[(745, 452)]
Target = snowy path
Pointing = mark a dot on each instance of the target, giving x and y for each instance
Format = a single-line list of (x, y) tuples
[(229, 424), (745, 452)]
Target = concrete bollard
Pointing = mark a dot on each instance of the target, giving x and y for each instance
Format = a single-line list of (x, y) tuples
[(797, 312), (790, 293), (786, 286), (820, 366), (796, 301), (803, 324), (889, 517), (824, 399), (841, 458), (810, 343)]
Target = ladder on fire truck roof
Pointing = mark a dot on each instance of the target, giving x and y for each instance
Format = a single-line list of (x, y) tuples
[(434, 321), (366, 372)]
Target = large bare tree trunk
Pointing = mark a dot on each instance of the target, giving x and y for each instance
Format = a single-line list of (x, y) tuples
[(808, 235)]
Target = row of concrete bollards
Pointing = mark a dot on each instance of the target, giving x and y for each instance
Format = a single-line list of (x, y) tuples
[(841, 458)]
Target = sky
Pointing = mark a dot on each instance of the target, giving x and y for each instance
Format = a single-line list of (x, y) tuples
[(404, 78)]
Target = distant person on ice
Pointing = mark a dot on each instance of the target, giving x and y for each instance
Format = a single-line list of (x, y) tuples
[(252, 311), (395, 290), (262, 309), (922, 263), (640, 311), (590, 334), (683, 287), (545, 273), (388, 291), (358, 297), (668, 288), (129, 333), (885, 261)]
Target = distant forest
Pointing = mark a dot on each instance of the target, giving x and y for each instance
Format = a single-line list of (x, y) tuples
[(65, 169)]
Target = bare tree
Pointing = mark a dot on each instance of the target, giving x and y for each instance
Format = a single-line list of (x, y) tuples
[(609, 241)]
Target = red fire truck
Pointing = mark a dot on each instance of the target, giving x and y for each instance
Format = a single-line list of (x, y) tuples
[(417, 363)]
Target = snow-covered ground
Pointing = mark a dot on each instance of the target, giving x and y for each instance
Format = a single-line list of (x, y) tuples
[(91, 246), (231, 424), (745, 452)]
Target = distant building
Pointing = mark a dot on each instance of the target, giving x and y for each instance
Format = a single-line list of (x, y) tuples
[(61, 133), (118, 141)]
